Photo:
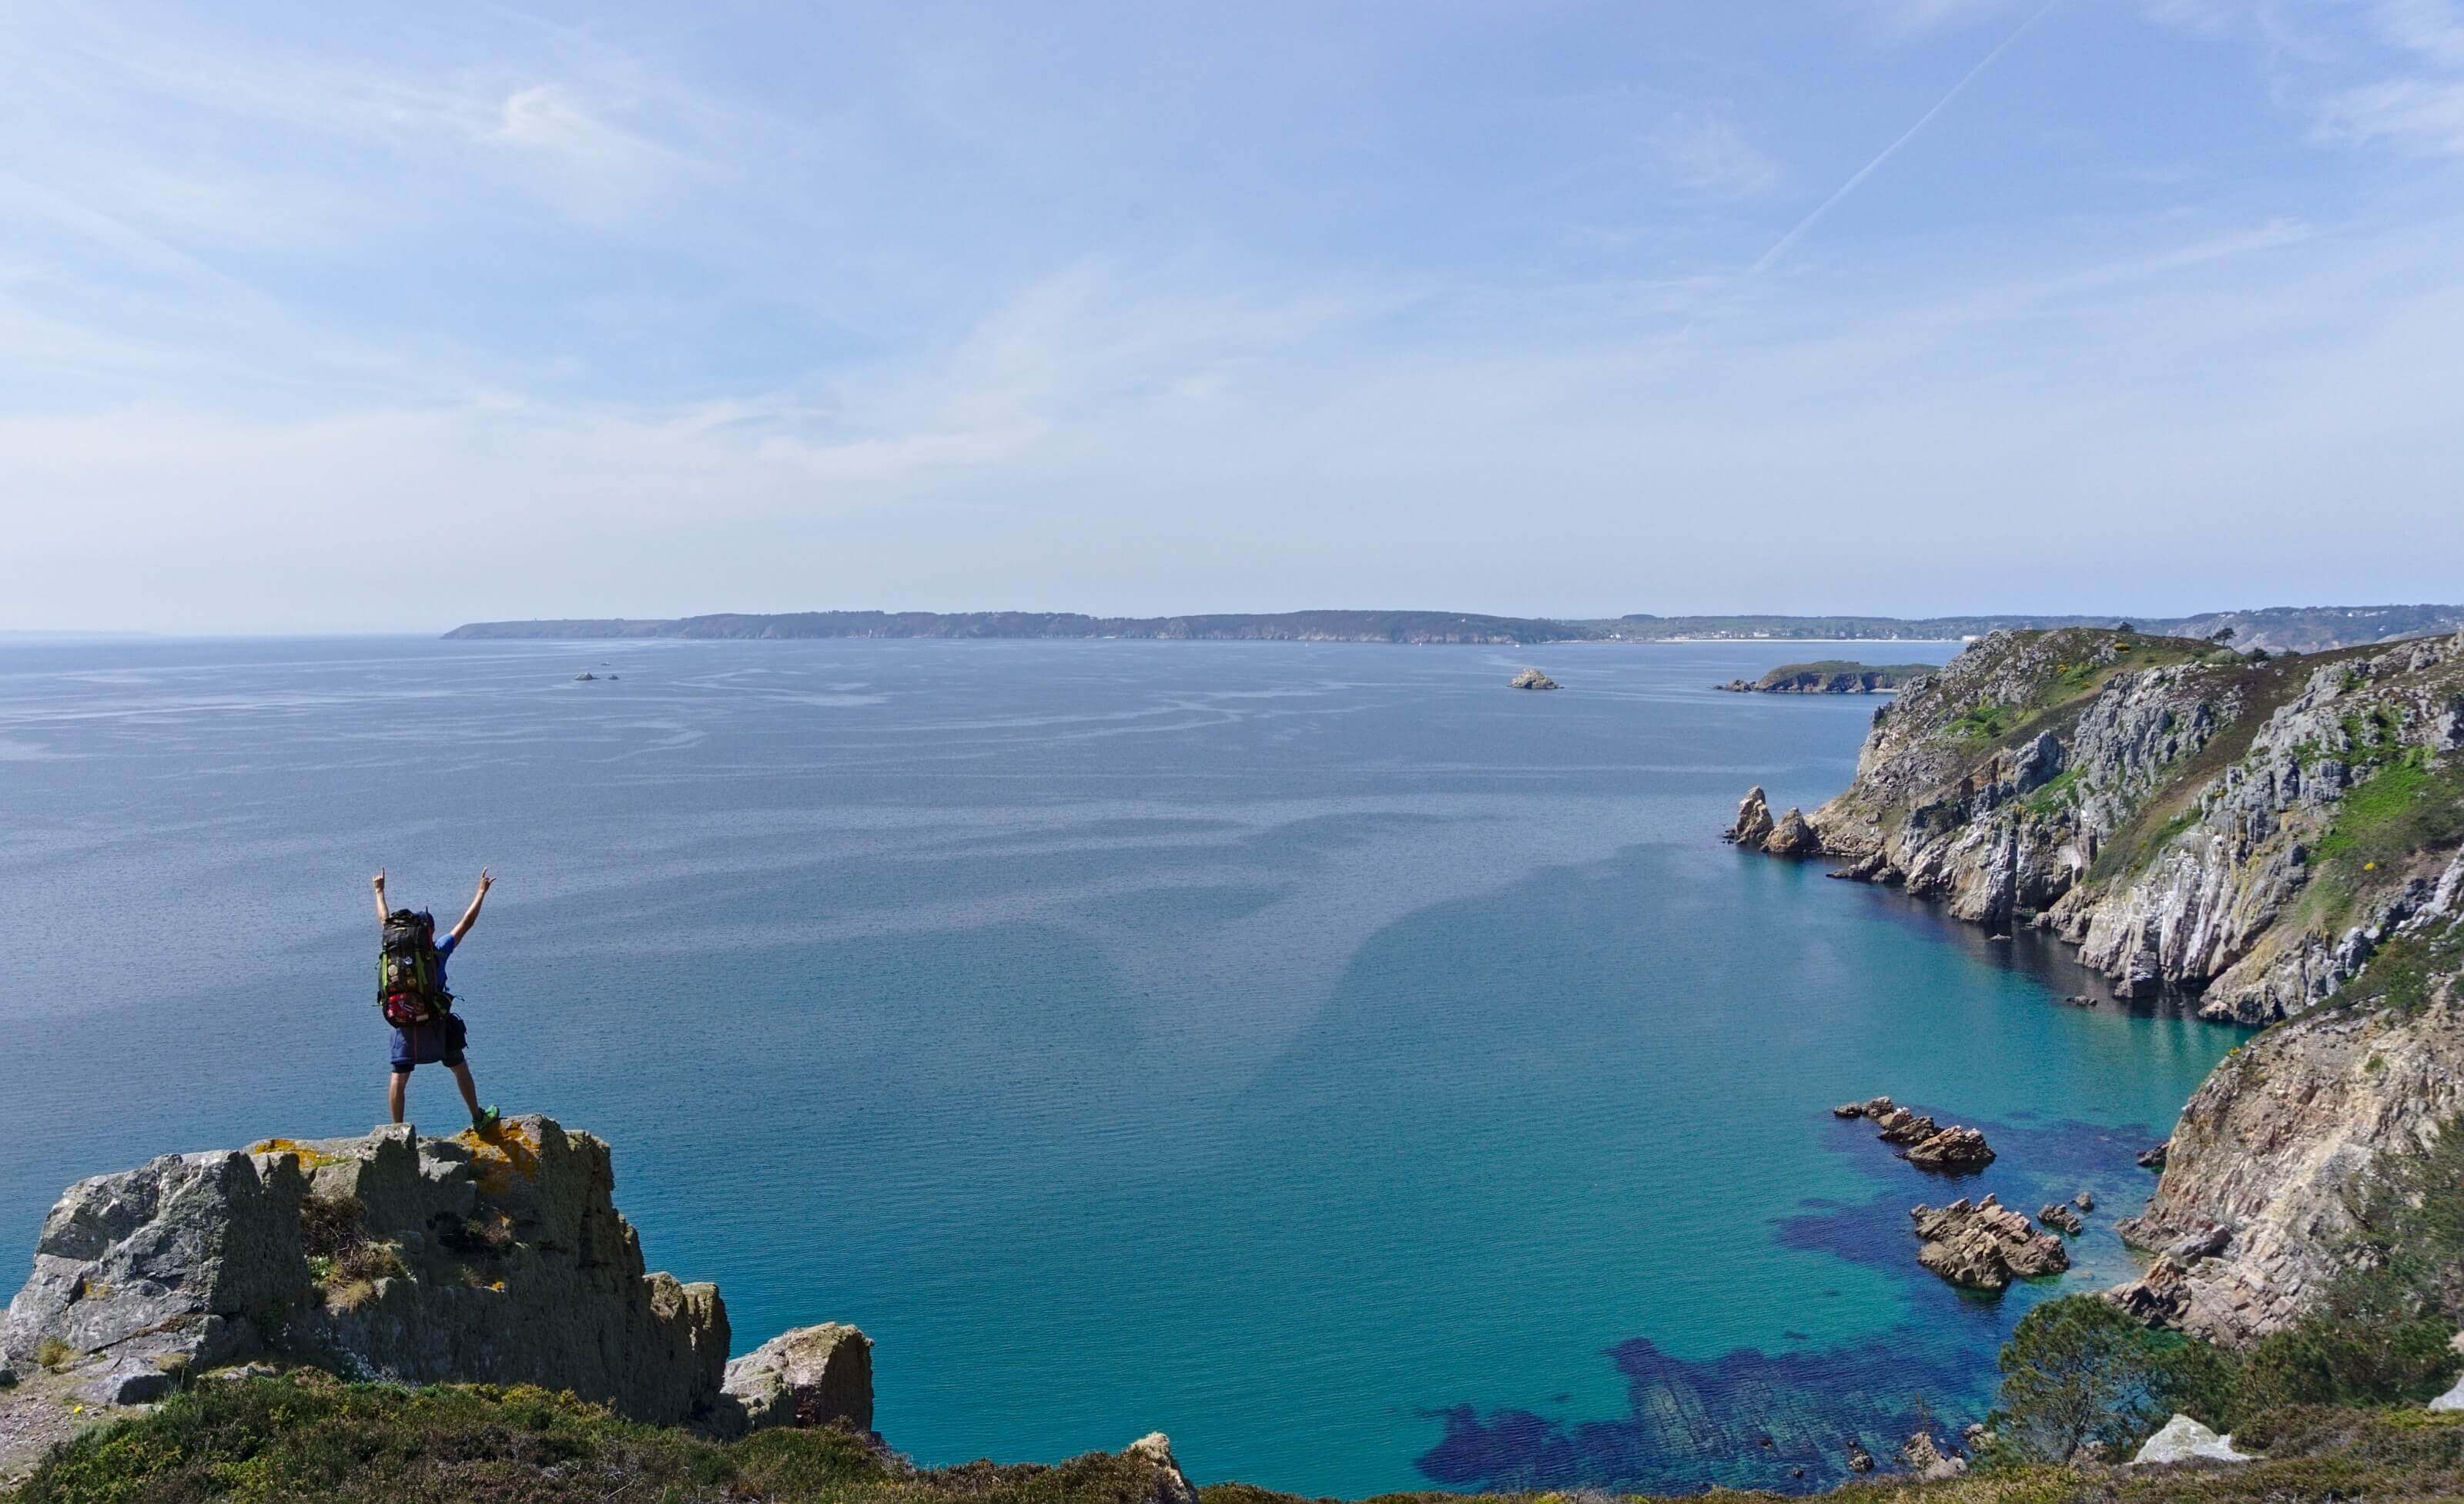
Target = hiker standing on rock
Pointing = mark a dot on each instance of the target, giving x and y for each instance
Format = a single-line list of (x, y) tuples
[(410, 990)]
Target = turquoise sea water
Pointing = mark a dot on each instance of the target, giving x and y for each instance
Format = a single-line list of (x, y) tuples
[(1371, 1075)]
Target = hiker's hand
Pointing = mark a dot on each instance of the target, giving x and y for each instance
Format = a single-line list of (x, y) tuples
[(486, 882), (377, 881)]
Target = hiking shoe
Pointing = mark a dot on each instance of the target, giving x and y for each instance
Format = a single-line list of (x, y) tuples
[(486, 1122)]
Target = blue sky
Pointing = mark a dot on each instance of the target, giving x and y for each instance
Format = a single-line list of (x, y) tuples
[(2146, 306)]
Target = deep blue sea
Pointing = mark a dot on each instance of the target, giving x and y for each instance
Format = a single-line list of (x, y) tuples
[(1371, 1075)]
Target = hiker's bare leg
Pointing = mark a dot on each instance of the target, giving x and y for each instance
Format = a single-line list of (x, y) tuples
[(394, 1089), (470, 1089)]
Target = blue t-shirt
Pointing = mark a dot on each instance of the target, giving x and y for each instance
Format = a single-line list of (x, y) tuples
[(445, 945)]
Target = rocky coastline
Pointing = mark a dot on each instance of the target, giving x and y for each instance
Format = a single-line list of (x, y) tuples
[(2270, 841)]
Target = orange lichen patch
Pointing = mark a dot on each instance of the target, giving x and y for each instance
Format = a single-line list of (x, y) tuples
[(309, 1158), (506, 1151)]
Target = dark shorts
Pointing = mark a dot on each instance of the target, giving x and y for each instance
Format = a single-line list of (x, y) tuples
[(439, 1043)]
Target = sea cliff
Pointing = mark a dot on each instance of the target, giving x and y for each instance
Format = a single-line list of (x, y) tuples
[(2269, 840), (494, 1259)]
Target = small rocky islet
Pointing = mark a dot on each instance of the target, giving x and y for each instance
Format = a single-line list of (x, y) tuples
[(1921, 1141), (1980, 1244), (1831, 676)]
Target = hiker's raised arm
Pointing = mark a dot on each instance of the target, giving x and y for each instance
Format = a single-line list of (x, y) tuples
[(377, 881), (471, 916)]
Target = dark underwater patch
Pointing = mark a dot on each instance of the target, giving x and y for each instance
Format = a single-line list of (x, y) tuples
[(1746, 1419), (1752, 1419)]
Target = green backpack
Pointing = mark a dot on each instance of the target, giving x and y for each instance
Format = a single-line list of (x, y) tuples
[(410, 975)]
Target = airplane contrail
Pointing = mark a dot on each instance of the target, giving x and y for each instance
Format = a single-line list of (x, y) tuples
[(1789, 239)]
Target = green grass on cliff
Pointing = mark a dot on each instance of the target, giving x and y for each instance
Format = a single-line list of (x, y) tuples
[(302, 1438), (2061, 669), (2408, 802)]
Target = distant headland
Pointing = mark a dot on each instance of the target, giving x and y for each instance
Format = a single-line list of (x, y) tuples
[(2277, 629)]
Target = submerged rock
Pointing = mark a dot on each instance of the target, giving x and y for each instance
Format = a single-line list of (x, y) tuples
[(1532, 680), (1985, 1245), (1929, 1462), (1860, 1460)]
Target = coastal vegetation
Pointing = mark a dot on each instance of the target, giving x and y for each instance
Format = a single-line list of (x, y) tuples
[(2081, 1372), (306, 1436)]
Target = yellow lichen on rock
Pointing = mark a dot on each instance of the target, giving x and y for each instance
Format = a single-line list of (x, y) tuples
[(309, 1157), (505, 1151)]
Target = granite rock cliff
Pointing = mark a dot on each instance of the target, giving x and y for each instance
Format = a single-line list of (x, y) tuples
[(500, 1259), (2269, 840)]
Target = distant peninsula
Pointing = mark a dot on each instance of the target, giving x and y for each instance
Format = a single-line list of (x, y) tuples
[(1831, 676), (2277, 629)]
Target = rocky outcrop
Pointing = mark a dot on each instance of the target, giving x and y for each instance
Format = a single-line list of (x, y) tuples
[(1793, 836), (810, 1376), (1923, 1142), (500, 1259), (1931, 1462), (1532, 680), (2276, 1152), (1753, 824), (2063, 1218), (1167, 1483), (1901, 1126), (2184, 1439), (1985, 1245), (1953, 1149)]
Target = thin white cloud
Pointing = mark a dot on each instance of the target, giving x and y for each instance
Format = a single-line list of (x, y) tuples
[(2419, 115), (1706, 154), (2396, 79), (2433, 29), (1904, 19)]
